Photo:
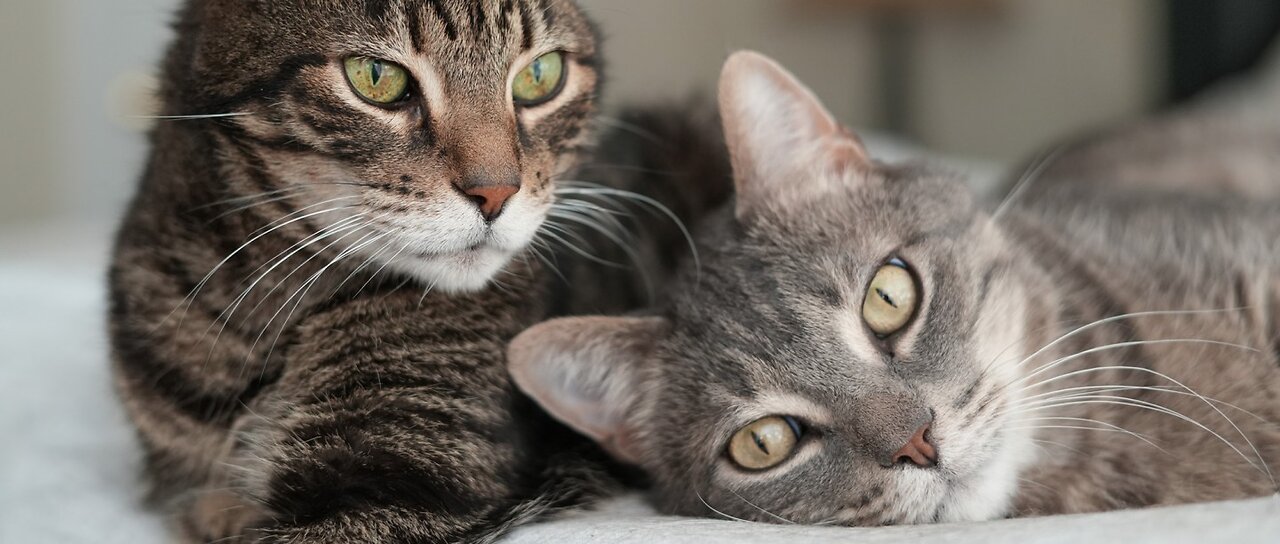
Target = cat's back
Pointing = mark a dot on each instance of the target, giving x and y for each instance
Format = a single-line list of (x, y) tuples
[(1157, 231), (1187, 200)]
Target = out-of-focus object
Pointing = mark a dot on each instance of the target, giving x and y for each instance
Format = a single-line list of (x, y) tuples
[(131, 100), (901, 6)]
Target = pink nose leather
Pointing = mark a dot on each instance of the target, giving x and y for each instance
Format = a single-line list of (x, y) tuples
[(491, 198), (918, 451)]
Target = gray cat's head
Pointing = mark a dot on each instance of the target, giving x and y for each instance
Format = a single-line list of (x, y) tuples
[(843, 354)]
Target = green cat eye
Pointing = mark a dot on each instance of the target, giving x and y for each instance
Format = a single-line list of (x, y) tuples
[(765, 443), (540, 81), (376, 80), (891, 299)]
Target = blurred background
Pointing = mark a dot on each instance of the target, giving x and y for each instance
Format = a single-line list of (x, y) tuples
[(988, 79)]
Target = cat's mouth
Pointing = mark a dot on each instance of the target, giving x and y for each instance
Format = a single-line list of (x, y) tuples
[(473, 249), (464, 268)]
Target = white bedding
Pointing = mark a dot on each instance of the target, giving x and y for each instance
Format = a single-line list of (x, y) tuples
[(68, 462)]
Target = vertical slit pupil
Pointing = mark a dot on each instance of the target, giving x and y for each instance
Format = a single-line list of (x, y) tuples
[(760, 443), (375, 72), (885, 296)]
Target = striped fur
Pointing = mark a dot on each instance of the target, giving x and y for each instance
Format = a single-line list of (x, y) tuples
[(276, 338), (1046, 387)]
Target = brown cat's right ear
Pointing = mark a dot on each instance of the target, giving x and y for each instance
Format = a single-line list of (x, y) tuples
[(784, 144), (585, 371)]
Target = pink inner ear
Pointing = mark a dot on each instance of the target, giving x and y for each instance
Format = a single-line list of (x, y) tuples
[(779, 133), (584, 372), (847, 154)]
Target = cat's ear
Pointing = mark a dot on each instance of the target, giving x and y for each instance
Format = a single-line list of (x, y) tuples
[(586, 372), (783, 142)]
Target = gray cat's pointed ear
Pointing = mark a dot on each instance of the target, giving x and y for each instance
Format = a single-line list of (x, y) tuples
[(586, 372), (783, 142)]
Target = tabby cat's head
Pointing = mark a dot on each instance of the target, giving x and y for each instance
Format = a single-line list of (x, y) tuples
[(439, 123), (842, 357)]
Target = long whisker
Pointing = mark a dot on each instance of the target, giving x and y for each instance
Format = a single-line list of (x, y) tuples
[(1109, 426), (551, 230), (1073, 392), (385, 263), (190, 298), (367, 262), (1079, 428), (1184, 387), (1105, 321), (250, 198), (753, 505), (193, 117), (301, 293), (713, 509), (225, 317), (614, 122), (654, 204), (1121, 345), (262, 272), (626, 248), (537, 253), (1028, 178), (1141, 404), (315, 278)]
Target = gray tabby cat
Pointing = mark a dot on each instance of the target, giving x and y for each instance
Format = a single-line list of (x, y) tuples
[(864, 345)]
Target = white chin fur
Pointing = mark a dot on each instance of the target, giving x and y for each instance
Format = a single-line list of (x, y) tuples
[(453, 251), (987, 493), (455, 273)]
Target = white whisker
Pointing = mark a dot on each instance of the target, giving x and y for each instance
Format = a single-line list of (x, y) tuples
[(713, 509), (1028, 178), (1109, 426), (193, 117)]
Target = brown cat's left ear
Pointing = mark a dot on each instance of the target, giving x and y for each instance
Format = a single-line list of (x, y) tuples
[(783, 142), (585, 372)]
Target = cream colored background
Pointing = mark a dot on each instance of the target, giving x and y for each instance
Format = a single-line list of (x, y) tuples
[(994, 86)]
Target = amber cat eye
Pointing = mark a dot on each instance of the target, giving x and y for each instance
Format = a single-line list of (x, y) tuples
[(765, 443), (891, 299), (378, 81)]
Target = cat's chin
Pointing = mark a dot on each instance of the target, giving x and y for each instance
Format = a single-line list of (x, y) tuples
[(986, 487), (455, 272)]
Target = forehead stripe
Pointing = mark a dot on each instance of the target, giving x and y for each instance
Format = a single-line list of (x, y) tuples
[(413, 17), (526, 27), (479, 19), (442, 13)]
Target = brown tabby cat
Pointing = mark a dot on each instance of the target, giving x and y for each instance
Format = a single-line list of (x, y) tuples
[(313, 289), (864, 345)]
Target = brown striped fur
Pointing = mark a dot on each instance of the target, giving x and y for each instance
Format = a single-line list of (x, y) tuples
[(307, 319)]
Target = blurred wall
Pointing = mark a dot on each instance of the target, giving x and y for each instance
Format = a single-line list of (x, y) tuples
[(28, 106), (994, 85), (71, 147), (997, 83)]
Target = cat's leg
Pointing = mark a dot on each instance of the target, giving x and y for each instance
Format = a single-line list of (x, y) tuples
[(218, 515), (387, 425)]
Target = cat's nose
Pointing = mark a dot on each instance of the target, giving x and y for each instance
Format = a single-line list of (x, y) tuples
[(919, 451), (490, 197)]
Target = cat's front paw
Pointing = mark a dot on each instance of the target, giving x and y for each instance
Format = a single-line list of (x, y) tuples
[(222, 517)]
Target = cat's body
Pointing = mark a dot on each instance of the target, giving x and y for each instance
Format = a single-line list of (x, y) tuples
[(1107, 253), (864, 345), (1179, 213), (313, 289)]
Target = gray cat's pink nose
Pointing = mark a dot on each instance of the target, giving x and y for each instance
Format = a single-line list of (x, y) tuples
[(919, 451)]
